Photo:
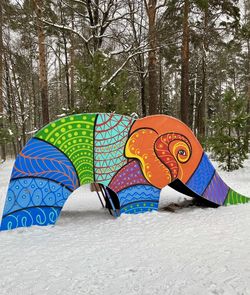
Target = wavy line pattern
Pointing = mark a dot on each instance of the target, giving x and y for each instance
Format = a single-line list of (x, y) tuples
[(40, 159), (138, 193), (73, 135), (111, 132)]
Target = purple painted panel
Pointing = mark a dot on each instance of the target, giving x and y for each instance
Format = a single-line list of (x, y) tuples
[(216, 191)]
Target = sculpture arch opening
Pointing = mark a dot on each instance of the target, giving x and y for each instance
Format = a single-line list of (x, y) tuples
[(39, 201), (84, 203)]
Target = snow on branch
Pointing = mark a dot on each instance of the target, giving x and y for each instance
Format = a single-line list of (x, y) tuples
[(66, 28), (107, 82)]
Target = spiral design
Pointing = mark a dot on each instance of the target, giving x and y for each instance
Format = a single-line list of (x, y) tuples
[(172, 149)]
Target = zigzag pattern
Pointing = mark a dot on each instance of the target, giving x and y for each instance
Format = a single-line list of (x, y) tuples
[(138, 193), (40, 159), (111, 133)]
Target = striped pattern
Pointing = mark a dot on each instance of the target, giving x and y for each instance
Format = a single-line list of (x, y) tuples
[(73, 135), (202, 176), (111, 133), (234, 198), (216, 191)]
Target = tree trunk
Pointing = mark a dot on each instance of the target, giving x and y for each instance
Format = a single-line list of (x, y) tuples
[(248, 96), (66, 70), (160, 83), (202, 108), (9, 95), (141, 70), (152, 60), (185, 99), (3, 152), (72, 67), (140, 62), (143, 95), (42, 62)]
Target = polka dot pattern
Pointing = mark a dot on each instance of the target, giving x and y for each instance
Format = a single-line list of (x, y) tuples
[(73, 135)]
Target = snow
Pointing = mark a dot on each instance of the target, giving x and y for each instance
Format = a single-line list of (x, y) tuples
[(192, 251)]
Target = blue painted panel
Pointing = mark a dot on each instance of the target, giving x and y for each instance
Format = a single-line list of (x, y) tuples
[(202, 176), (40, 159), (139, 207), (138, 192), (34, 192), (31, 216), (138, 199)]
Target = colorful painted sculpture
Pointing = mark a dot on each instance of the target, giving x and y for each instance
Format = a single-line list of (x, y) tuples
[(134, 158)]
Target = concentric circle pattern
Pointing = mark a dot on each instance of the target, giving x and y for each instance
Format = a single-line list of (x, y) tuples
[(73, 136)]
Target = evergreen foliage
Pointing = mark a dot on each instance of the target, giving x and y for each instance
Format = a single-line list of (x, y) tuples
[(116, 96), (229, 126), (97, 60)]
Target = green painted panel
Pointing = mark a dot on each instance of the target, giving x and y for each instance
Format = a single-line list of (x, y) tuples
[(234, 198), (73, 135)]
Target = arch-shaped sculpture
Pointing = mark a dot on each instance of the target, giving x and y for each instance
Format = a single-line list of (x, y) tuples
[(135, 158)]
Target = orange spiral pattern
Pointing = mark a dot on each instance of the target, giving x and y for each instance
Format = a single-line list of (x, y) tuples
[(172, 149), (140, 146)]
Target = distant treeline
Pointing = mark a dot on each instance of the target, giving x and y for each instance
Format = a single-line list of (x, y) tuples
[(189, 59)]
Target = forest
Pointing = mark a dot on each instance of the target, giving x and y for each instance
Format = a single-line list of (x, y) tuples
[(189, 59)]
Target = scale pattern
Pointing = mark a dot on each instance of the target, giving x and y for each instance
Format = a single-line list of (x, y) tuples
[(28, 194), (111, 134)]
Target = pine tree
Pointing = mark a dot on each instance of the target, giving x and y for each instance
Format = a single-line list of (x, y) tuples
[(116, 96), (229, 125)]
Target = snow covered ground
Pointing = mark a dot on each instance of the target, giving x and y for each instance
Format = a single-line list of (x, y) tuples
[(192, 251)]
